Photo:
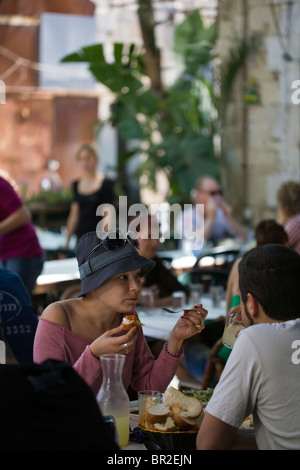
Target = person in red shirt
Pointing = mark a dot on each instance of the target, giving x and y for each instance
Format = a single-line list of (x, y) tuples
[(20, 250)]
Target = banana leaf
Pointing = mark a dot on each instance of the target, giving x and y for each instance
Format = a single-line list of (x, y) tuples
[(194, 43)]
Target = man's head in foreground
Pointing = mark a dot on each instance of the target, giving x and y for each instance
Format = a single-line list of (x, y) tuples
[(269, 278)]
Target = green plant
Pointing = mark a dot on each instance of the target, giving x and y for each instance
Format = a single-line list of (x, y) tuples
[(174, 130), (63, 196)]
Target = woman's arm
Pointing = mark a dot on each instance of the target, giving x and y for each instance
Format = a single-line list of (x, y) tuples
[(232, 283), (15, 220), (49, 343), (151, 374), (72, 221)]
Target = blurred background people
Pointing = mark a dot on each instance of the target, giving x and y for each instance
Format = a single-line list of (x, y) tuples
[(288, 212), (20, 250), (210, 217), (90, 190)]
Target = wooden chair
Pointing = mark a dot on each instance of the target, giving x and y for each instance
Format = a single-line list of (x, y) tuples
[(213, 370), (214, 366)]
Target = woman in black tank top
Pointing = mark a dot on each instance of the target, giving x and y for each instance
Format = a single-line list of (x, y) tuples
[(90, 190)]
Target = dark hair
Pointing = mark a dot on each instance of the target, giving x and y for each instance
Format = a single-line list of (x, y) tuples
[(271, 273), (269, 231)]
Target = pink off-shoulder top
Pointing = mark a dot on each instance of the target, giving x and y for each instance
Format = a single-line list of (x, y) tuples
[(141, 371)]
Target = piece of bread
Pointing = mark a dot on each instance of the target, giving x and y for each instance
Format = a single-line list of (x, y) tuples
[(168, 426), (178, 412), (247, 423), (145, 424), (157, 413), (129, 321), (185, 424), (190, 407)]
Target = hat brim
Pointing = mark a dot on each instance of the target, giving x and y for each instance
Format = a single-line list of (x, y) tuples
[(96, 279)]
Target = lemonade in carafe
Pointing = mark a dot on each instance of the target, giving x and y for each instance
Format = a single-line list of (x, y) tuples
[(112, 397)]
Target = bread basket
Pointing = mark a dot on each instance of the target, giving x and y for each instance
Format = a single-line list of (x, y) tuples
[(162, 440)]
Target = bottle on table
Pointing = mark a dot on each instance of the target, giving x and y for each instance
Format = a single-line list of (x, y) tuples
[(112, 397)]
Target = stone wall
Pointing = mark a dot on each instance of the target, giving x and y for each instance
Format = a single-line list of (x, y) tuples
[(261, 141)]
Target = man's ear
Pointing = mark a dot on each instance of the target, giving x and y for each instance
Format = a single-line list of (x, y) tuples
[(252, 305)]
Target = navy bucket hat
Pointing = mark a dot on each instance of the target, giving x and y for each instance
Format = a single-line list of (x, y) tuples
[(101, 256)]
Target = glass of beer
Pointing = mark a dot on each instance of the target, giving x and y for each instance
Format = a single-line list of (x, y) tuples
[(232, 328)]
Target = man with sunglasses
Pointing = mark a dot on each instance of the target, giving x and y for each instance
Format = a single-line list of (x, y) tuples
[(211, 210)]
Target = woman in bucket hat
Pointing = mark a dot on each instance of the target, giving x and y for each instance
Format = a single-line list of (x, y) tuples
[(80, 330)]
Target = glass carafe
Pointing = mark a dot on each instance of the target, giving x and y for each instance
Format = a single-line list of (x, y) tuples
[(112, 397)]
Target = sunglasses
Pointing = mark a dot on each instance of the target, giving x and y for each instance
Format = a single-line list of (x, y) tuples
[(217, 192), (113, 241)]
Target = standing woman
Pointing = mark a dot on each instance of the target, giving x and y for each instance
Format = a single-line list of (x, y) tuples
[(20, 250), (80, 330), (89, 191)]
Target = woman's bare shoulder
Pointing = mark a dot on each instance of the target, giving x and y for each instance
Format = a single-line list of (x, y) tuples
[(58, 312)]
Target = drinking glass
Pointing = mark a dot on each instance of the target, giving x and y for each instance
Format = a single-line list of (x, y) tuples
[(145, 396), (232, 327), (147, 298), (216, 295), (196, 292), (178, 299)]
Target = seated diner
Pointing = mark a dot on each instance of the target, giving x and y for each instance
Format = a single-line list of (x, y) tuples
[(80, 330), (261, 376)]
